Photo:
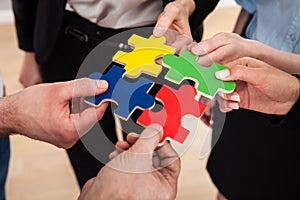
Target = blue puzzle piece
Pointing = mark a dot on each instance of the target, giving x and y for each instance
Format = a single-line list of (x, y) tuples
[(127, 95)]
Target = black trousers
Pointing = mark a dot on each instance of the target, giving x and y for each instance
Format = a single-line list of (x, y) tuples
[(70, 51)]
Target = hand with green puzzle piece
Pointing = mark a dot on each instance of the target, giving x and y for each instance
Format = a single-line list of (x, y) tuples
[(260, 86)]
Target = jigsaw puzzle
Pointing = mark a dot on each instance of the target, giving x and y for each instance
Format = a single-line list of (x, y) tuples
[(136, 95)]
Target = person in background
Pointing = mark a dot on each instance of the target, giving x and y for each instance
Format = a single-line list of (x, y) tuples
[(252, 158)]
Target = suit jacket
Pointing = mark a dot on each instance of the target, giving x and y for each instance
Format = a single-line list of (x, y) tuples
[(38, 23)]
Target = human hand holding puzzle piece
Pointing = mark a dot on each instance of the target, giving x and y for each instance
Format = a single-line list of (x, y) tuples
[(177, 103)]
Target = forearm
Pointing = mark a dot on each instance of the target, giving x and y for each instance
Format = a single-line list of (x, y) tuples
[(288, 62)]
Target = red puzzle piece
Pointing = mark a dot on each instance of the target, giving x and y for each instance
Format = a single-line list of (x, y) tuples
[(177, 103)]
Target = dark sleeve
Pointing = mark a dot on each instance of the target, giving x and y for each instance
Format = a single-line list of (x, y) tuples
[(25, 14), (203, 9), (290, 120)]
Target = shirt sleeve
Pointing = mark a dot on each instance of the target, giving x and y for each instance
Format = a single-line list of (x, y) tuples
[(25, 15)]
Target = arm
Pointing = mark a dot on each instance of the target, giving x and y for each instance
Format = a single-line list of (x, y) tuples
[(227, 47), (43, 111), (25, 17)]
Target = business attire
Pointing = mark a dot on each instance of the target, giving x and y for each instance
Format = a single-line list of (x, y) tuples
[(4, 154), (63, 38), (253, 158)]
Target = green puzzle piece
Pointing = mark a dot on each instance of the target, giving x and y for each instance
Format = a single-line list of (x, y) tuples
[(185, 66)]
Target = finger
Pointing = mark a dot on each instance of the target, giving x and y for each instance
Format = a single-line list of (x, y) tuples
[(207, 46), (122, 146), (148, 140), (227, 105), (239, 72), (164, 21), (234, 96), (85, 120), (169, 161), (132, 138), (113, 155), (84, 87)]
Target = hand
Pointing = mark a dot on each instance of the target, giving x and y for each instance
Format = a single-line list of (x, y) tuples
[(135, 174), (43, 112), (261, 87), (30, 72), (175, 16), (223, 48)]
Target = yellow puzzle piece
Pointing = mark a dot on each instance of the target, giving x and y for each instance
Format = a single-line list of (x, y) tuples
[(142, 58)]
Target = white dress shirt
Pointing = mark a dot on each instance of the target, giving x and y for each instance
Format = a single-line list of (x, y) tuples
[(118, 14)]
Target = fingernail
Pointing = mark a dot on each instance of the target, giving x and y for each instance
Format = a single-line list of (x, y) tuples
[(196, 49), (222, 74), (235, 97), (158, 31), (101, 84), (234, 106)]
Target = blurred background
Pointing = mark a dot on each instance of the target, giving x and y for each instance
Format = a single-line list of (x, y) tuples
[(41, 171)]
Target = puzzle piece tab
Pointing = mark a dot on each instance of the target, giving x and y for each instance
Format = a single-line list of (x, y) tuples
[(185, 67), (177, 103), (127, 95), (142, 58)]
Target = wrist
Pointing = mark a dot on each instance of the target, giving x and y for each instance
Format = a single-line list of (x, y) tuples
[(8, 121), (189, 5), (256, 49), (296, 90)]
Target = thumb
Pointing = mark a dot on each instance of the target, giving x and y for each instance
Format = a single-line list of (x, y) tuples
[(163, 24), (148, 140), (84, 87)]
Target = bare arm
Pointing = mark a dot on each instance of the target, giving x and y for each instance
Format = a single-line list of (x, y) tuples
[(227, 47)]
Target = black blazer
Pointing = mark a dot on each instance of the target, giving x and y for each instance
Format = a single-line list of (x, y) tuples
[(38, 23)]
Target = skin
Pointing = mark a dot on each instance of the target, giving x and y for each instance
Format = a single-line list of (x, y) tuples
[(30, 71), (260, 86), (175, 16), (137, 173), (43, 112)]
